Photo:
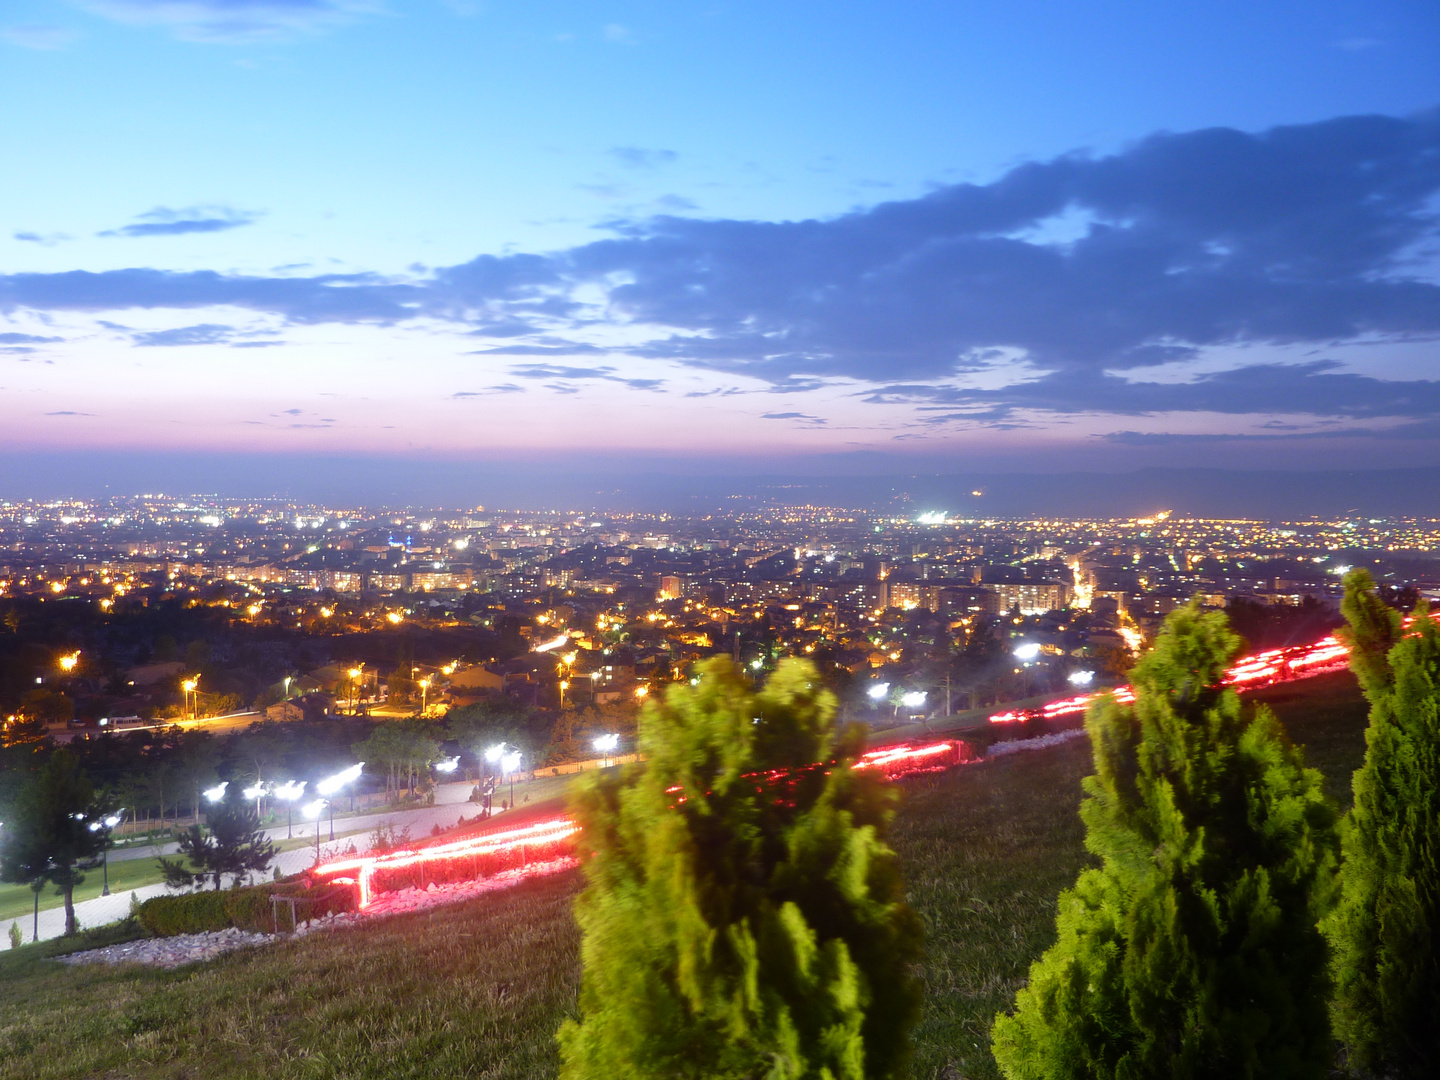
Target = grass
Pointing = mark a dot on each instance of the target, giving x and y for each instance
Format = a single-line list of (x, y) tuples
[(477, 990)]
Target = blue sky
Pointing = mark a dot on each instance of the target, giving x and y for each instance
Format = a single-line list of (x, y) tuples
[(1011, 235)]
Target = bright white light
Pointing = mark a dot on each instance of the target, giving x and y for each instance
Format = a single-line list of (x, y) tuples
[(495, 753), (553, 643), (1340, 571), (312, 809), (113, 820), (1028, 651), (510, 763), (607, 743), (913, 699), (216, 793), (254, 791), (290, 790), (448, 765), (332, 784), (757, 664), (878, 691), (1081, 678), (932, 517)]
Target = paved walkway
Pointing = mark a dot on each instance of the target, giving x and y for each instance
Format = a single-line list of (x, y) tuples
[(451, 803)]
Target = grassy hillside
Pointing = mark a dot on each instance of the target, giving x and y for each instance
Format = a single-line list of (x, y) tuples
[(477, 990)]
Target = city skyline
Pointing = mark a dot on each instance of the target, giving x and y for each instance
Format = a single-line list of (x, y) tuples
[(630, 240)]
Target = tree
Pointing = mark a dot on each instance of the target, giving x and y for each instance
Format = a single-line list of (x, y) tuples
[(1384, 930), (235, 844), (743, 915), (1193, 950), (49, 837)]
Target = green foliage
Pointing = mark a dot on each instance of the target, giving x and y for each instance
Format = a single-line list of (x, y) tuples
[(740, 921), (193, 913), (235, 844), (49, 836), (16, 937), (1192, 951), (1384, 930)]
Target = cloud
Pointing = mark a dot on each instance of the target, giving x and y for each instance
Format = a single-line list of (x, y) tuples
[(606, 374), (235, 21), (163, 221), (27, 339), (806, 417), (68, 412), (1052, 288), (637, 157), (202, 334), (34, 36), (503, 388), (43, 239), (617, 34)]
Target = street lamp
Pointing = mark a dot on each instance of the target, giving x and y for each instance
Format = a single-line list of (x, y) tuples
[(607, 745), (355, 673), (287, 793), (216, 793), (67, 663), (878, 691), (257, 792), (312, 810), (1081, 678), (508, 757), (424, 695), (188, 686), (106, 823), (331, 784)]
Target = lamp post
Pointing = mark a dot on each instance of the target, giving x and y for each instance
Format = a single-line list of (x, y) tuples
[(509, 757), (424, 695), (313, 810), (355, 673), (188, 687), (330, 785), (607, 745), (106, 824), (287, 793)]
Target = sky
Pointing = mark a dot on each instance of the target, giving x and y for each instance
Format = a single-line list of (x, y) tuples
[(719, 237)]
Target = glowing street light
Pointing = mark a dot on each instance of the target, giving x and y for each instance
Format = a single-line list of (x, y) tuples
[(188, 687), (67, 663), (331, 784), (913, 699), (1081, 678), (216, 793), (106, 823), (424, 694), (449, 765), (607, 745), (313, 810), (256, 791), (1027, 651), (878, 691), (287, 793)]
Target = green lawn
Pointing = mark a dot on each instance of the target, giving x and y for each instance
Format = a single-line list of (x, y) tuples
[(477, 990)]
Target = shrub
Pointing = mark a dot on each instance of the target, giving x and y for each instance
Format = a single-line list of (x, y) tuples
[(16, 937), (743, 916), (192, 913), (1193, 950), (1383, 933)]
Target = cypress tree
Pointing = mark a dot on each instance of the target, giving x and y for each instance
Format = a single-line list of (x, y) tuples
[(1384, 930), (743, 916), (1192, 950)]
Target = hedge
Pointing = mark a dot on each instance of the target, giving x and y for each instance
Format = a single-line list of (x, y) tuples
[(248, 908)]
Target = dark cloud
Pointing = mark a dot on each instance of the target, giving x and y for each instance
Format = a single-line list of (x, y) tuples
[(198, 219), (637, 157), (201, 334)]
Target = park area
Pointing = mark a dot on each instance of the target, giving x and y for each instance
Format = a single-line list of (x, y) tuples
[(478, 988)]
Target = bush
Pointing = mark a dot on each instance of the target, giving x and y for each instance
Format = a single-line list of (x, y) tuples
[(743, 916), (16, 937), (1193, 950), (192, 913)]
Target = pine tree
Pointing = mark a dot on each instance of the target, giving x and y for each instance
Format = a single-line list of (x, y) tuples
[(743, 915), (1386, 928), (1192, 950), (235, 845), (49, 838)]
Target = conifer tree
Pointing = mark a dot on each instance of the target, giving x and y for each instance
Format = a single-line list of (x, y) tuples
[(1385, 932), (743, 915), (235, 844), (1192, 951)]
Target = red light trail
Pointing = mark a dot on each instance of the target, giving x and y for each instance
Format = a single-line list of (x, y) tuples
[(538, 845)]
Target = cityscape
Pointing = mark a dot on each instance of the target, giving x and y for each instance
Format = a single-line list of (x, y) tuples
[(630, 541)]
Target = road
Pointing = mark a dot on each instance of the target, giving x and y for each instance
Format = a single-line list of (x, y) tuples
[(451, 803)]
